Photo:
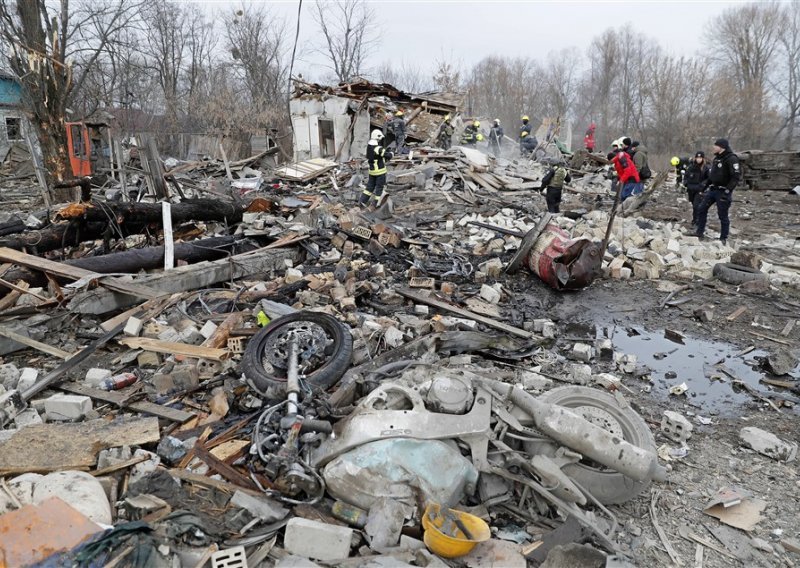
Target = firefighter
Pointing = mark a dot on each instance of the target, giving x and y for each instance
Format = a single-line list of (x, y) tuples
[(377, 156), (588, 140), (723, 178), (680, 165), (628, 175), (472, 134), (445, 137), (527, 141), (496, 137), (553, 183), (397, 126)]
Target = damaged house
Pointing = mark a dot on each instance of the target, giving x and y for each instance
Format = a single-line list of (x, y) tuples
[(12, 118), (334, 122)]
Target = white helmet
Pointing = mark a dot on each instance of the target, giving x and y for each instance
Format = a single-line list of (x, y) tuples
[(377, 135)]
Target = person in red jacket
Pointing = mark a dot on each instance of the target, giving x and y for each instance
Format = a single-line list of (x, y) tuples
[(588, 140), (628, 175)]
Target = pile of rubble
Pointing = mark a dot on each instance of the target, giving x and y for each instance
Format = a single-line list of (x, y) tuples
[(280, 377)]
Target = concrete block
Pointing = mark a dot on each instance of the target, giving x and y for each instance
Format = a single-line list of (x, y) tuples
[(538, 325), (768, 444), (582, 352), (208, 329), (67, 406), (625, 273), (674, 246), (492, 268), (27, 417), (292, 275), (148, 359), (490, 294), (393, 337), (627, 363), (9, 376), (604, 349), (422, 310), (133, 327), (676, 427), (182, 377), (96, 375), (549, 330), (27, 378), (580, 373), (316, 540)]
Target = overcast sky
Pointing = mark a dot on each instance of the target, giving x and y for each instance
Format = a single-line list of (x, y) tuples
[(421, 31)]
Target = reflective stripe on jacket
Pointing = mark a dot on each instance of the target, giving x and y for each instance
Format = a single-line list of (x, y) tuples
[(377, 157)]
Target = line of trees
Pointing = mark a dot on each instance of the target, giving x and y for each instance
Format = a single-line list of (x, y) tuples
[(226, 72)]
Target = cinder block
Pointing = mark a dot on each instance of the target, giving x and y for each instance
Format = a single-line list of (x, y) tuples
[(490, 294), (133, 327), (67, 406), (208, 329), (293, 275), (582, 352), (319, 541), (605, 349), (676, 427), (27, 378), (95, 376), (27, 417)]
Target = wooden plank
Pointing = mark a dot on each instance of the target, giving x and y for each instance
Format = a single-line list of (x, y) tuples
[(227, 471), (22, 289), (11, 298), (58, 446), (38, 345), (739, 311), (787, 329), (75, 273), (169, 242), (419, 298), (229, 449), (170, 347), (118, 466), (768, 338), (120, 400)]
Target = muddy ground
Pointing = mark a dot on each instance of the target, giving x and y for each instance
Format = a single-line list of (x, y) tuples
[(633, 314)]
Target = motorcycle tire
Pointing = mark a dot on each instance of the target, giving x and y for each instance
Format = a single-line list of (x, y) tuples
[(602, 409), (272, 384)]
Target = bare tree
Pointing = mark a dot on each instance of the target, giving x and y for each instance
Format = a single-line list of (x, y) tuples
[(53, 49), (348, 32), (258, 54), (405, 76), (746, 51), (787, 81)]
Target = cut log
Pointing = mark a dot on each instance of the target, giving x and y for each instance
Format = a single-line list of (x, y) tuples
[(54, 236)]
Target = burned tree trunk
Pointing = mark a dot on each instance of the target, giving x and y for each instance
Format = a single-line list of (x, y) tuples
[(132, 213), (134, 260), (55, 236)]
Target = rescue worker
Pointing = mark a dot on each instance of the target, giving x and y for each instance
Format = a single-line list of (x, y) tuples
[(472, 134), (639, 154), (680, 165), (723, 177), (496, 137), (588, 140), (397, 126), (527, 141), (377, 156), (553, 182), (445, 138), (626, 145), (627, 174), (615, 147), (696, 178)]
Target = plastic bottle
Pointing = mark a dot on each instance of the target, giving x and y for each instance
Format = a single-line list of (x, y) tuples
[(118, 381)]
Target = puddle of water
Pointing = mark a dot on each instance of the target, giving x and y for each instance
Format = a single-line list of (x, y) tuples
[(693, 362)]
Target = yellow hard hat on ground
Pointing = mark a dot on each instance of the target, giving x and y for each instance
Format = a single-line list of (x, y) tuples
[(675, 161)]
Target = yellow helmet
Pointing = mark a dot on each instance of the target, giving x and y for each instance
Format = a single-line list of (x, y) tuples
[(446, 117), (524, 134), (479, 137), (399, 113), (476, 123), (675, 161), (525, 117)]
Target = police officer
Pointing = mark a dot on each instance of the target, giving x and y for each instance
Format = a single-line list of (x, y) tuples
[(696, 179), (377, 156), (723, 178)]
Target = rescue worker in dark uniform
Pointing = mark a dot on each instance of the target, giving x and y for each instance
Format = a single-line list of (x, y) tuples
[(445, 137), (397, 126), (553, 182), (723, 178), (696, 178), (496, 137), (527, 141), (377, 156)]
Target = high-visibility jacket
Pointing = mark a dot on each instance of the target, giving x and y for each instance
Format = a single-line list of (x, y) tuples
[(377, 157)]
